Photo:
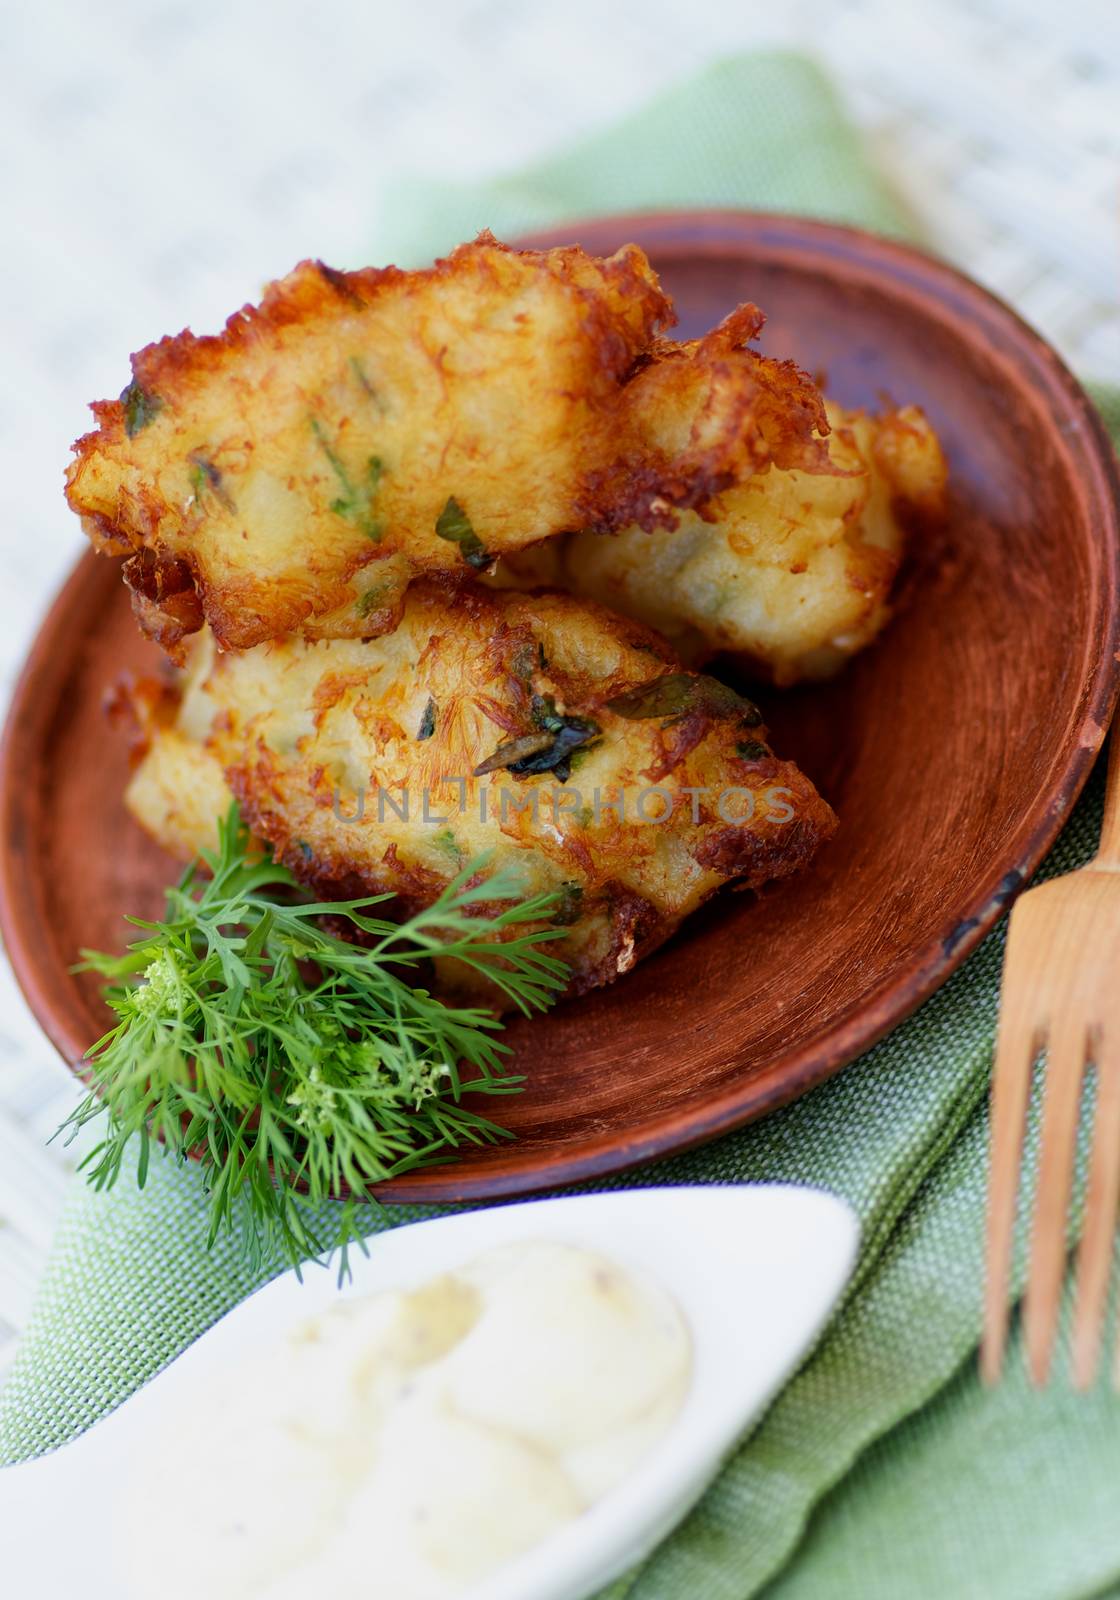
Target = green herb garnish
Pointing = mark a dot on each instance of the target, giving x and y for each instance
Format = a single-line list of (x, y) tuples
[(454, 524), (280, 1054), (427, 721), (356, 502), (207, 479), (140, 408), (549, 749), (511, 752), (677, 694), (569, 905), (446, 842), (752, 750)]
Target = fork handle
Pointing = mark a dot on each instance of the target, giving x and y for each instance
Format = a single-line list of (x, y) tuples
[(1108, 853)]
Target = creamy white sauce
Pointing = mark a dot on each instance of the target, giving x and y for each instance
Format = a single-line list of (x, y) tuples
[(407, 1443)]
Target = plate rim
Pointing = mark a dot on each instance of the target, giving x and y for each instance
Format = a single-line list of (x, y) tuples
[(706, 231)]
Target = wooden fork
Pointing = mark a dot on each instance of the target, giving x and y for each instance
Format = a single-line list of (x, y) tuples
[(1061, 993)]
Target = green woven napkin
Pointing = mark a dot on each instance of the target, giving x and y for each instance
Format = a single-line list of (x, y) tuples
[(762, 130), (882, 1469)]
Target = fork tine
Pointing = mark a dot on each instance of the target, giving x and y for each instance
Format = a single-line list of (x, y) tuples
[(1061, 1104), (1094, 1259), (1017, 1045)]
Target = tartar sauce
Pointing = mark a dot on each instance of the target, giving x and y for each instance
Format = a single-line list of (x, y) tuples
[(407, 1443)]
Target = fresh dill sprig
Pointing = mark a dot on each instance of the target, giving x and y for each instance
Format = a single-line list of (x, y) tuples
[(281, 1056)]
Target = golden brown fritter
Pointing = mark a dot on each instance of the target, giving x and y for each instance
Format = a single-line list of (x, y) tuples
[(790, 572), (565, 741), (296, 472), (702, 416), (358, 428)]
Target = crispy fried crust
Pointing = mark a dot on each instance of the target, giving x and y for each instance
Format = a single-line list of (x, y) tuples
[(321, 743), (701, 417), (357, 430), (790, 572)]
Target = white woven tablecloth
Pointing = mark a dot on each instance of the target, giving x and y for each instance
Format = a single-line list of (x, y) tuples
[(162, 159)]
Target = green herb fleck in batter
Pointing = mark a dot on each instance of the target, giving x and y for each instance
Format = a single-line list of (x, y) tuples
[(356, 502), (140, 408), (454, 525)]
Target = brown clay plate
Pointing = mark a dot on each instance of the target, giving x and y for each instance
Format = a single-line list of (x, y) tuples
[(952, 751)]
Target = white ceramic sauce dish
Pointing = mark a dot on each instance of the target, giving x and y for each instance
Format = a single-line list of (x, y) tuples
[(755, 1270)]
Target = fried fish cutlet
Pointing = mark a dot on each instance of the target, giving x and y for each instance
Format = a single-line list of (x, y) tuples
[(702, 416), (790, 572), (360, 429), (539, 728)]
